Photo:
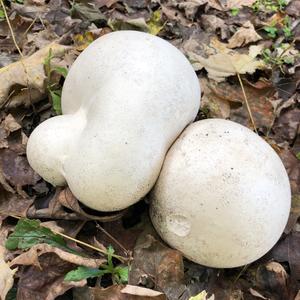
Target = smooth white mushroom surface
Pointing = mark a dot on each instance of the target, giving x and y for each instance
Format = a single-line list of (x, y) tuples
[(125, 100), (223, 195)]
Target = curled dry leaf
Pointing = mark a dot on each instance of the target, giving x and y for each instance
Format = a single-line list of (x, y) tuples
[(67, 199), (31, 257), (6, 275), (273, 279), (244, 36), (221, 62), (27, 76)]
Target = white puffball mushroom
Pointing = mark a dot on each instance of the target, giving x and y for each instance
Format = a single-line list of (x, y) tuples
[(125, 100), (223, 195)]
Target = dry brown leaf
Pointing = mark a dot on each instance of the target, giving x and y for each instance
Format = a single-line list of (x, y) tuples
[(31, 257), (6, 275), (47, 282), (244, 36), (223, 62), (221, 99), (26, 75), (158, 265), (117, 292), (225, 5), (255, 293)]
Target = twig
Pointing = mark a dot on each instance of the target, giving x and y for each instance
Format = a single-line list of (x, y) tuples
[(113, 239), (10, 28), (246, 101), (120, 258)]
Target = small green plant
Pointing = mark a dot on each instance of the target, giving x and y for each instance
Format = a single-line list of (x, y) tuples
[(298, 155), (53, 88), (234, 11), (271, 30), (279, 57), (269, 5), (287, 27), (119, 274), (2, 15)]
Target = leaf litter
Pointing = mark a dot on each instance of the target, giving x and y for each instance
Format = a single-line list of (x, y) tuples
[(119, 255)]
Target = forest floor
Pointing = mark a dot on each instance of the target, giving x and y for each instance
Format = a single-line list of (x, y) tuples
[(245, 53)]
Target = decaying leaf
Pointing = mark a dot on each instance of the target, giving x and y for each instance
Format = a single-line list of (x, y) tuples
[(202, 296), (225, 5), (46, 282), (222, 62), (158, 266), (31, 257), (273, 279), (26, 76), (244, 36), (225, 99), (6, 275), (117, 292)]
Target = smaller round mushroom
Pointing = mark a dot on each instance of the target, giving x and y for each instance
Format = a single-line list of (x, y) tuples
[(223, 195)]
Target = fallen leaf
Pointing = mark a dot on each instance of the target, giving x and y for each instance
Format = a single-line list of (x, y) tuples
[(202, 296), (225, 5), (117, 292), (223, 62), (27, 76), (13, 204), (256, 294), (32, 257), (67, 199), (190, 7), (212, 23), (6, 275), (273, 279), (226, 99), (86, 11), (287, 124), (157, 266), (294, 214), (293, 8), (16, 169), (244, 36), (287, 250), (46, 282)]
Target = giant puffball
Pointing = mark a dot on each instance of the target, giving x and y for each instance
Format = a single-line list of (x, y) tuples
[(223, 195), (125, 100)]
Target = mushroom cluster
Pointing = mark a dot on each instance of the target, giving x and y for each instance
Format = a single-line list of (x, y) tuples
[(221, 194)]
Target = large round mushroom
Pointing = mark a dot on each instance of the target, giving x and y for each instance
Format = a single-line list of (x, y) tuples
[(223, 195), (125, 100)]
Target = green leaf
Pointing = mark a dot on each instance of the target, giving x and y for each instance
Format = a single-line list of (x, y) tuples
[(123, 273), (29, 233), (155, 24), (60, 70), (83, 272), (2, 15), (235, 11), (56, 101), (271, 30), (110, 252), (298, 155)]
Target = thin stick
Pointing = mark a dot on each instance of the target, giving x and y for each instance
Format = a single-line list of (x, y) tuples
[(113, 239), (120, 258), (10, 28), (246, 101)]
